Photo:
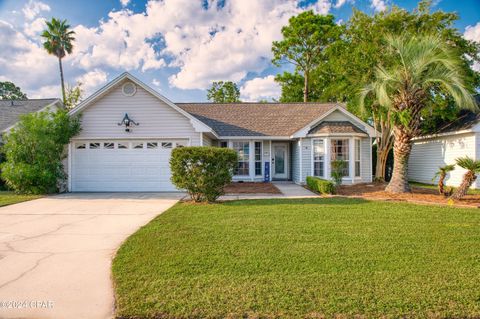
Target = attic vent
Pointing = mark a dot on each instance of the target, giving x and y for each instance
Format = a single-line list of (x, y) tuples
[(129, 89)]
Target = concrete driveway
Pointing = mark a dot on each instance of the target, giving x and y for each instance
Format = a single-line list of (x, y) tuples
[(56, 252)]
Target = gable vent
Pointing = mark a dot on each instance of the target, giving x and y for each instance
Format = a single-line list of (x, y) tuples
[(129, 89)]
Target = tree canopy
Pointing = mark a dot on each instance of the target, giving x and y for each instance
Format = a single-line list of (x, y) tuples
[(9, 91), (223, 92)]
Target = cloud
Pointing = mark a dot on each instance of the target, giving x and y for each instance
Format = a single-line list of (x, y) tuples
[(260, 89), (48, 91), (156, 82), (92, 80), (33, 28), (378, 5), (124, 3), (340, 3), (324, 6), (472, 33), (33, 8)]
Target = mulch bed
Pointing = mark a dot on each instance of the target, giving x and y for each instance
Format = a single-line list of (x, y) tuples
[(251, 188), (418, 195)]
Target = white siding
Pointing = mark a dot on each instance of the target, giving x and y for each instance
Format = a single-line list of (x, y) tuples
[(366, 160), (156, 119), (428, 155), (306, 159), (206, 140), (295, 156)]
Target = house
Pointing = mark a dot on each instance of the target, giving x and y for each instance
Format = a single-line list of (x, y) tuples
[(129, 131), (458, 138), (12, 110)]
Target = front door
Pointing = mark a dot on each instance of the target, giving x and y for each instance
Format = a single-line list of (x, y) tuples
[(279, 161)]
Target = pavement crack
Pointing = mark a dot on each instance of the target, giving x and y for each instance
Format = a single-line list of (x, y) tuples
[(23, 274)]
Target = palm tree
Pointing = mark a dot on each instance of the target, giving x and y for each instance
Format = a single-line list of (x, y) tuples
[(425, 65), (58, 41), (473, 167), (441, 174)]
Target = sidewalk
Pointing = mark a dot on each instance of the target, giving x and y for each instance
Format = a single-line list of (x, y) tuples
[(288, 189)]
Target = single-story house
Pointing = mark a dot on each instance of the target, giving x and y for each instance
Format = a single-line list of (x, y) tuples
[(458, 138), (12, 110), (129, 131)]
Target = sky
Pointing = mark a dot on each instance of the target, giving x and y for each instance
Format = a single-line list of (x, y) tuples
[(178, 47)]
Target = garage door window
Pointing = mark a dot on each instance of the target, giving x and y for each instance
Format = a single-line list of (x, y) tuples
[(181, 144), (94, 146), (137, 145), (122, 146), (152, 145), (167, 145), (108, 146), (80, 146)]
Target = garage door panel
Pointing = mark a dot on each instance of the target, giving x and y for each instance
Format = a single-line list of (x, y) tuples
[(122, 169)]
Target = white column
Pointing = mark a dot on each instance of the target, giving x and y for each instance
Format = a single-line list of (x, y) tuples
[(300, 156), (351, 157), (327, 158)]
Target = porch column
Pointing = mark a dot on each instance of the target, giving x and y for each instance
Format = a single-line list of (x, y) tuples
[(328, 175)]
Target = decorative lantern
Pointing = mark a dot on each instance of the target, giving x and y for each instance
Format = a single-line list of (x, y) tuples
[(128, 122)]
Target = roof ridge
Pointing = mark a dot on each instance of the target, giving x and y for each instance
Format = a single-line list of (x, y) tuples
[(22, 100)]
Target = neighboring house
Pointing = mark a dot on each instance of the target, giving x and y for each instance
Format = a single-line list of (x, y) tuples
[(274, 141), (456, 139), (11, 110)]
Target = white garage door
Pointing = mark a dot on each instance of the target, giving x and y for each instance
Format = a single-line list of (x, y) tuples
[(122, 166)]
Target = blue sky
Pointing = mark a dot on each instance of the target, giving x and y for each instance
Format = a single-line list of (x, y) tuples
[(176, 46)]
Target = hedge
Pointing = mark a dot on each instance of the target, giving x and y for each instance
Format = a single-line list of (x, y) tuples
[(320, 185), (202, 171)]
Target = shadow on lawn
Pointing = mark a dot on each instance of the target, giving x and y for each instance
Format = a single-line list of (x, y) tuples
[(297, 201)]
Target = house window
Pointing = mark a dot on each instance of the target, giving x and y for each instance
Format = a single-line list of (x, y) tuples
[(357, 158), (167, 145), (137, 145), (122, 146), (223, 144), (258, 158), (318, 158), (108, 145), (152, 145), (94, 146), (243, 151), (339, 151), (80, 146)]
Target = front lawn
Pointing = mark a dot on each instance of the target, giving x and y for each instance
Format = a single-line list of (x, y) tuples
[(8, 198), (302, 258)]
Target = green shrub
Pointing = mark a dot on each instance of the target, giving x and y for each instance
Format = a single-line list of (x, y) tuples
[(202, 171), (338, 168), (34, 150), (320, 185)]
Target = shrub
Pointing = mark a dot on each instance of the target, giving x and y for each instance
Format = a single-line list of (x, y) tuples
[(34, 150), (202, 171), (320, 185), (338, 167)]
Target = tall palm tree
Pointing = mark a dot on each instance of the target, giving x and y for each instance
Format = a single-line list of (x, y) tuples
[(58, 41), (441, 174), (473, 167), (424, 64)]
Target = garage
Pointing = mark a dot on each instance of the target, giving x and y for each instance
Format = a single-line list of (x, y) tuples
[(122, 166)]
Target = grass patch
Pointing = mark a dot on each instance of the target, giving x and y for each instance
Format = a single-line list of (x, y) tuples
[(302, 258), (9, 198)]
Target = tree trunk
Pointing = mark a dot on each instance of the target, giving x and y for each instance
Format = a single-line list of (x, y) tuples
[(305, 86), (61, 79), (401, 153), (441, 184), (462, 190), (380, 167)]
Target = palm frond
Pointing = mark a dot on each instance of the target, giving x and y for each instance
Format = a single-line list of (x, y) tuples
[(468, 163)]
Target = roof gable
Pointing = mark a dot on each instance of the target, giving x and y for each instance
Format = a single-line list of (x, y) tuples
[(12, 110)]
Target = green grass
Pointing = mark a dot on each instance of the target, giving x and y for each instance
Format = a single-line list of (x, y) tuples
[(8, 198), (471, 191), (303, 258)]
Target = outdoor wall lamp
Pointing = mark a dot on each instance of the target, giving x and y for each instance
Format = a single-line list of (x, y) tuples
[(128, 122)]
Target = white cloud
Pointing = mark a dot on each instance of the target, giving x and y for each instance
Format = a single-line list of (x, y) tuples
[(323, 6), (33, 8), (48, 91), (260, 89), (378, 5), (340, 3), (33, 28), (473, 33), (124, 3), (91, 81), (156, 82)]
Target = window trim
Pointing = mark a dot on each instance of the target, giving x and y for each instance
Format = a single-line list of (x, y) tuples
[(359, 158), (349, 161), (243, 161), (324, 156), (255, 161)]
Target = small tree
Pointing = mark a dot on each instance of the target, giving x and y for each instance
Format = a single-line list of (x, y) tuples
[(338, 171), (223, 92), (202, 171), (473, 167), (9, 91), (73, 95), (34, 150), (442, 174)]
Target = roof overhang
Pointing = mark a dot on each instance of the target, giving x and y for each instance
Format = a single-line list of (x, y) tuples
[(198, 125), (434, 136), (57, 102), (304, 131)]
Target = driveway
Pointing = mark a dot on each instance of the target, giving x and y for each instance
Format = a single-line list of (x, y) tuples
[(56, 252)]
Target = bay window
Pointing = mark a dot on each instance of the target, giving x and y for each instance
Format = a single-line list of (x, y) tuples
[(243, 151), (340, 152), (318, 158)]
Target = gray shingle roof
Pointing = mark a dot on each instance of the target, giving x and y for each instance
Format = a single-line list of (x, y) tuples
[(257, 119), (11, 110), (336, 127)]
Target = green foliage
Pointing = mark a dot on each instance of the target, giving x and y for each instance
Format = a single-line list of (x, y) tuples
[(304, 42), (34, 150), (73, 95), (338, 168), (58, 38), (444, 170), (320, 185), (202, 171), (469, 164), (223, 92), (9, 91)]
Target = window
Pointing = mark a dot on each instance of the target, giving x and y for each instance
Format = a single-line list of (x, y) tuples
[(151, 145), (340, 153), (80, 146), (122, 146), (137, 145), (243, 151), (181, 144), (94, 146), (167, 145), (357, 158), (318, 158), (108, 146), (258, 158), (224, 144)]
